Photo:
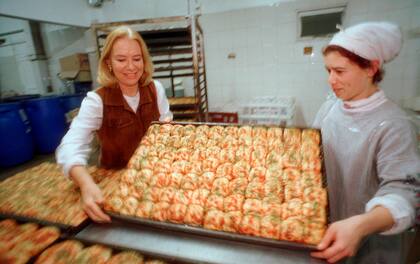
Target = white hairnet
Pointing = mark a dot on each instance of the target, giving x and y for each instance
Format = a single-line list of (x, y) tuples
[(380, 41)]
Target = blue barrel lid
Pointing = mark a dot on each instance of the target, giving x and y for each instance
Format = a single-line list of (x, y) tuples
[(20, 98), (6, 107), (73, 95), (40, 99)]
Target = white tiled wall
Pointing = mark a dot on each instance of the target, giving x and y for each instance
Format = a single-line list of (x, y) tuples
[(269, 58), (21, 72), (61, 41)]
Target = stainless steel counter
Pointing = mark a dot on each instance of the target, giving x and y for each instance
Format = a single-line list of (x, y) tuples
[(184, 247)]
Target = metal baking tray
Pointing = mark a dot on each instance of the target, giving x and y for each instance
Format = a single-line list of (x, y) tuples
[(225, 124), (117, 249), (213, 233), (68, 229), (221, 234), (23, 220)]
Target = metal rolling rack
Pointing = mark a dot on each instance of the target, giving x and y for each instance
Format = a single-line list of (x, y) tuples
[(176, 45)]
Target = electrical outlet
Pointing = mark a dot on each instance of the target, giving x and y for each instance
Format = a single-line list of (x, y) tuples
[(307, 50)]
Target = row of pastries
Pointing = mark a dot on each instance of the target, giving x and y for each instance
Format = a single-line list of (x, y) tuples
[(261, 181)]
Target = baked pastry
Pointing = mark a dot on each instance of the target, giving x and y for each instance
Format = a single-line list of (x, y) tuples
[(251, 180)]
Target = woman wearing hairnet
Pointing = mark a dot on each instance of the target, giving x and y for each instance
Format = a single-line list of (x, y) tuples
[(370, 148)]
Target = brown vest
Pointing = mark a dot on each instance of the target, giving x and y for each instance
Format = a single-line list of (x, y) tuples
[(122, 129)]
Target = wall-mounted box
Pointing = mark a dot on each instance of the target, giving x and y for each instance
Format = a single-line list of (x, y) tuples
[(75, 67)]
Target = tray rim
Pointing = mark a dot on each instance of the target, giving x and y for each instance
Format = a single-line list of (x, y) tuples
[(62, 235), (146, 254), (197, 230), (228, 124), (69, 229)]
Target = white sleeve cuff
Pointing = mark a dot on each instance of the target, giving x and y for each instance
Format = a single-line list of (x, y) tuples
[(163, 103), (166, 117), (400, 209), (74, 148), (68, 166)]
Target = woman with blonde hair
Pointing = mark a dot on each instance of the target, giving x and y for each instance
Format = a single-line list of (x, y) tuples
[(120, 112)]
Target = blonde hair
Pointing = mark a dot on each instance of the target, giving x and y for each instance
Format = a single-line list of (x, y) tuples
[(105, 76)]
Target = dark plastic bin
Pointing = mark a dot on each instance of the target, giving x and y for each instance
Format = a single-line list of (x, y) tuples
[(82, 87), (15, 136), (71, 101), (20, 98), (46, 116)]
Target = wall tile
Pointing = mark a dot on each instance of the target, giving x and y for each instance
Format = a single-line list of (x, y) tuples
[(269, 55), (410, 87), (357, 7), (253, 37), (392, 89), (286, 53), (287, 33), (239, 38), (379, 6), (269, 35), (255, 56), (415, 17)]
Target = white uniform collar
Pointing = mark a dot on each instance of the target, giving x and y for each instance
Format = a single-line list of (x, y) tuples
[(365, 104)]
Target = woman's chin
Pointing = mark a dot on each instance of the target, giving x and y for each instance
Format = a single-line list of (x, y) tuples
[(341, 96), (130, 82)]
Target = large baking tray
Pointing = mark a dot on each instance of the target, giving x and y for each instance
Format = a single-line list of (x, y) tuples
[(23, 220), (67, 229), (221, 234), (212, 233), (117, 249)]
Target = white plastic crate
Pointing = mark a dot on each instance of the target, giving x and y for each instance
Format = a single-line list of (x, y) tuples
[(268, 110), (280, 107), (264, 120)]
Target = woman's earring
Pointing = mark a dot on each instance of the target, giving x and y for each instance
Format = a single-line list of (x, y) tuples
[(110, 68)]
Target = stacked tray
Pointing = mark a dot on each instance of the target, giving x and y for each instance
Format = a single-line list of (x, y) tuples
[(76, 251), (256, 184), (21, 242), (31, 243), (43, 195)]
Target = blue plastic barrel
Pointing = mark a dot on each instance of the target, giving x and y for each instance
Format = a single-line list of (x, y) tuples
[(16, 144), (71, 101), (82, 87), (20, 98), (48, 123)]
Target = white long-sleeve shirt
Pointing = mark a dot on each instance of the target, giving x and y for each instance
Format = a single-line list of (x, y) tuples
[(75, 148), (369, 148)]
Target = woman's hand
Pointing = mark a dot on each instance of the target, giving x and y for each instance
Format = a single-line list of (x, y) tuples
[(92, 200), (92, 197), (341, 240)]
